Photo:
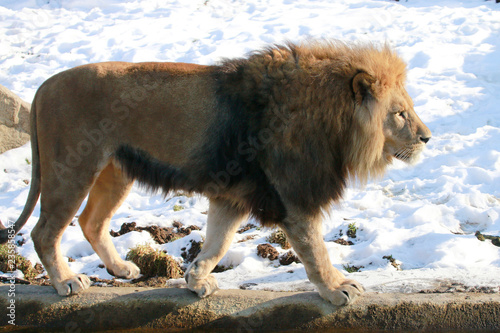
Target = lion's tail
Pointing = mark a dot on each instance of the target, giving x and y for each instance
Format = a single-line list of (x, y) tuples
[(11, 230)]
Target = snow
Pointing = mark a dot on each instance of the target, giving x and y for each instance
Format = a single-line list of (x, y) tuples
[(424, 216)]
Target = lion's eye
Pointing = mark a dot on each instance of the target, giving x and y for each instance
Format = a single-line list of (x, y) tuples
[(402, 114)]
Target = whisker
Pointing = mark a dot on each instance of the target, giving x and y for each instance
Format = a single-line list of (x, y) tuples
[(405, 153), (409, 152)]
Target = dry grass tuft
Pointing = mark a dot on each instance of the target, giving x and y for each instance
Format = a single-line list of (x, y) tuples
[(154, 263), (18, 262)]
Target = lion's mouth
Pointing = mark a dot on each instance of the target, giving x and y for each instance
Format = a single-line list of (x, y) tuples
[(409, 154)]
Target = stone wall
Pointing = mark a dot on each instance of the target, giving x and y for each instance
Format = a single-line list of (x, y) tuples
[(14, 120)]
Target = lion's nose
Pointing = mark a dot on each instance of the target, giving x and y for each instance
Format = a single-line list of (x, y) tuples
[(425, 139)]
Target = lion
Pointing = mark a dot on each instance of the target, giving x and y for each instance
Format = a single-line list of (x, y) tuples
[(276, 135)]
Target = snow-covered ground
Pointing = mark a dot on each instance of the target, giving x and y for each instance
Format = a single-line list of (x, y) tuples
[(423, 216)]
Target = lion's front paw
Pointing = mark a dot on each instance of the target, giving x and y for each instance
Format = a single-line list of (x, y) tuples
[(125, 270), (73, 285), (202, 288), (354, 284), (348, 291)]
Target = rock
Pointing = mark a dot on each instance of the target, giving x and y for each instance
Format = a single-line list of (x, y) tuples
[(14, 120)]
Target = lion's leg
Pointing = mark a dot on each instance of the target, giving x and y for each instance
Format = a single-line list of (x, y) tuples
[(106, 196), (223, 221), (59, 204), (307, 240)]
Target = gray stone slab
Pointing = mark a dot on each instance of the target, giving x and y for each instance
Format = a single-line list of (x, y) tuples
[(106, 308)]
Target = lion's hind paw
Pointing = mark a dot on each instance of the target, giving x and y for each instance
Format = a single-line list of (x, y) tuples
[(73, 285), (125, 270)]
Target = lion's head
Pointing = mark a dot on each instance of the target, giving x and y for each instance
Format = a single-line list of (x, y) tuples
[(405, 134), (388, 126)]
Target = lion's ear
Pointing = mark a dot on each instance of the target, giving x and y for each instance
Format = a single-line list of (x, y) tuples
[(362, 86)]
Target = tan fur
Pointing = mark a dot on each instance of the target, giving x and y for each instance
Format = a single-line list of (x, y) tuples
[(276, 135)]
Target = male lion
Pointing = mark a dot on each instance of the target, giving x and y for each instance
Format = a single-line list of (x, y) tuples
[(276, 135)]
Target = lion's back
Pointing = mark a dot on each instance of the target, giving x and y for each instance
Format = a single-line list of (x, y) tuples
[(126, 102)]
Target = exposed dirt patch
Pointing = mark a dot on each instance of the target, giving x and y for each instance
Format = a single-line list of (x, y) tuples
[(190, 253), (288, 258), (342, 241), (160, 235), (393, 262), (246, 228), (267, 251)]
